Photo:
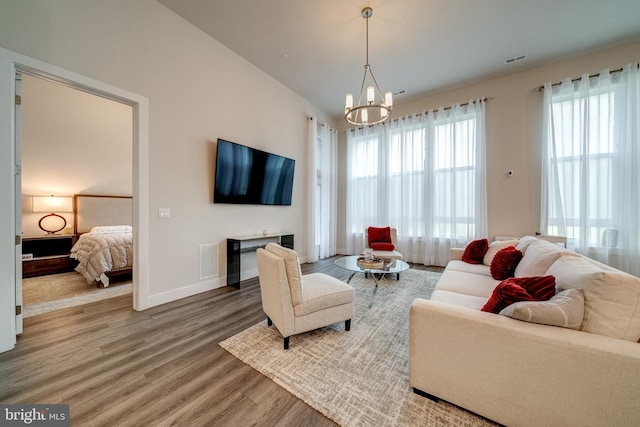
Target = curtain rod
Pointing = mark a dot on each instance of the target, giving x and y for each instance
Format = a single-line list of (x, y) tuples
[(462, 105), (426, 112), (617, 70), (444, 108)]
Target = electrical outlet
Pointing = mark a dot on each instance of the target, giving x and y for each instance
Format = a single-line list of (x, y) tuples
[(164, 213)]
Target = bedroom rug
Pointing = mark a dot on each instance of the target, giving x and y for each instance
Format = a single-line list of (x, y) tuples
[(44, 294), (360, 377)]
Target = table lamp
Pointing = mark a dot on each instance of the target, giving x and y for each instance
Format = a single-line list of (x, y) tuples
[(52, 223)]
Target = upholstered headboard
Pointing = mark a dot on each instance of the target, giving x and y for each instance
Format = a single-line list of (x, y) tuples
[(92, 210)]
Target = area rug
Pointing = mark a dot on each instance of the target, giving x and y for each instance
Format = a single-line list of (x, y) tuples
[(44, 294), (360, 377)]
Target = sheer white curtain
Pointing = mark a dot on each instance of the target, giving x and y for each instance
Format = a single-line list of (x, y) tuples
[(591, 167), (424, 175), (322, 191)]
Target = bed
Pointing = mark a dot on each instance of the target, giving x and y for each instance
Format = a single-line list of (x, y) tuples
[(104, 249)]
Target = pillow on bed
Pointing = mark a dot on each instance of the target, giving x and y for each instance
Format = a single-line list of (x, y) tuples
[(112, 229)]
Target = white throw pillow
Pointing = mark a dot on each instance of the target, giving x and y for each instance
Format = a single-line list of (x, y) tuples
[(538, 257), (565, 309), (524, 243), (611, 298), (494, 248)]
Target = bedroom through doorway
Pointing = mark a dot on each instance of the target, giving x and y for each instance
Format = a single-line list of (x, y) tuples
[(72, 142)]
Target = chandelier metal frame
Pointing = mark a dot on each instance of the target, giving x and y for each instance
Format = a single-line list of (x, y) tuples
[(370, 112)]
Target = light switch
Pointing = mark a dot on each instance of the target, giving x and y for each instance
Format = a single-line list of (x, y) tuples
[(164, 213)]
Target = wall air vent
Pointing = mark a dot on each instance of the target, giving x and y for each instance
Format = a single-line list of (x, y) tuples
[(208, 261), (515, 59)]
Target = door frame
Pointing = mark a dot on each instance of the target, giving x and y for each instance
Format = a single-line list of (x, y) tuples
[(17, 120), (11, 63)]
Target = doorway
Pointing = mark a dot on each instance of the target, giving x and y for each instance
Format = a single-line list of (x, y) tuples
[(72, 142), (12, 63)]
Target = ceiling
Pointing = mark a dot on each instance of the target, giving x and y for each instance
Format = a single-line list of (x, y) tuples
[(317, 48)]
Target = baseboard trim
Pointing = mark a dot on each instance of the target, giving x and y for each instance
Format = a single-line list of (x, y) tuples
[(184, 292)]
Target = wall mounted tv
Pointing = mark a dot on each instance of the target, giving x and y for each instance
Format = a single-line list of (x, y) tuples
[(245, 175)]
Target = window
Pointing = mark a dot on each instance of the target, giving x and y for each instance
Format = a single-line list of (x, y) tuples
[(455, 178), (423, 175), (583, 156), (591, 166), (322, 201)]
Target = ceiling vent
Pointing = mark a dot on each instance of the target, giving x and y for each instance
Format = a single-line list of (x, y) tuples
[(515, 59)]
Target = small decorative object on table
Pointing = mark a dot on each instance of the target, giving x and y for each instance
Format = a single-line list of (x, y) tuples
[(370, 264)]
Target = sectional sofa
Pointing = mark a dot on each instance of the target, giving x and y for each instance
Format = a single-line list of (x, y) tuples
[(573, 362)]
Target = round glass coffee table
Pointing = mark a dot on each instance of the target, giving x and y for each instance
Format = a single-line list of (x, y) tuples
[(351, 263)]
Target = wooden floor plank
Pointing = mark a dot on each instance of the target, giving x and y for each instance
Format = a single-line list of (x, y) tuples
[(162, 366)]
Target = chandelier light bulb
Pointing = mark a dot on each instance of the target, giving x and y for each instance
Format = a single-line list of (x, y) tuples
[(388, 99), (371, 95), (348, 103), (365, 116)]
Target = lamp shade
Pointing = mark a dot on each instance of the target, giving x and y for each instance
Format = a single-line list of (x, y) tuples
[(52, 204)]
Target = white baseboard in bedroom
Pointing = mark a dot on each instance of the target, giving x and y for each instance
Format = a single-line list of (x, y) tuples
[(186, 291)]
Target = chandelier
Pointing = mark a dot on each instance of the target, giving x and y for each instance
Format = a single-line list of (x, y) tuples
[(376, 107)]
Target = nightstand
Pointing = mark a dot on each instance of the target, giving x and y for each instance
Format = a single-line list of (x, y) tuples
[(49, 255)]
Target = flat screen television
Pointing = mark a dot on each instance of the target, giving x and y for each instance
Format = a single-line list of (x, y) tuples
[(245, 175)]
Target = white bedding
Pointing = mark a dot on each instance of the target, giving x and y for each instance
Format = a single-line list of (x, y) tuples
[(102, 251)]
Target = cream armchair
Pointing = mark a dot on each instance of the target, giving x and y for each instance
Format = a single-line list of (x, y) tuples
[(385, 255), (297, 303)]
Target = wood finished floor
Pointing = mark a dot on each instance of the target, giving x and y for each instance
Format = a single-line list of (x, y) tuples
[(162, 366)]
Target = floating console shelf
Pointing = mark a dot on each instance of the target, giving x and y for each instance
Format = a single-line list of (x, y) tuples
[(245, 244)]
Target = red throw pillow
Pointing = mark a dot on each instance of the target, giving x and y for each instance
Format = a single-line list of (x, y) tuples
[(505, 262), (380, 246), (505, 294), (474, 252), (517, 289), (541, 288), (379, 234)]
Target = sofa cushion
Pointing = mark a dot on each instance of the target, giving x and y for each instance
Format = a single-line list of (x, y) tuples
[(466, 283), (565, 309), (379, 234), (474, 252), (504, 263), (538, 256), (457, 299), (382, 246), (292, 267), (494, 247), (611, 298), (458, 265)]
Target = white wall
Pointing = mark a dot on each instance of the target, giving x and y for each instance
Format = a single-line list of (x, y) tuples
[(513, 122), (72, 142), (198, 91)]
